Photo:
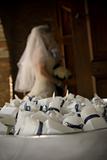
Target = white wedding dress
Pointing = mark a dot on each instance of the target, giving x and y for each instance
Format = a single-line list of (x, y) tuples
[(37, 51)]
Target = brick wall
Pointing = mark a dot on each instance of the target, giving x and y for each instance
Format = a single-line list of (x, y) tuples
[(4, 69)]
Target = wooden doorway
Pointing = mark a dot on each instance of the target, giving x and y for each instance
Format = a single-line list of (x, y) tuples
[(65, 26), (98, 25), (75, 46)]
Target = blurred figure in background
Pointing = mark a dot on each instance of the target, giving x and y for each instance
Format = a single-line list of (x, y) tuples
[(36, 65)]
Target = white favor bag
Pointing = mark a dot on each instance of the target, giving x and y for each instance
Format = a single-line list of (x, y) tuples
[(54, 127), (74, 122), (92, 120)]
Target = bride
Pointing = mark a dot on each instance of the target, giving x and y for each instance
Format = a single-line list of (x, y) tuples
[(35, 75)]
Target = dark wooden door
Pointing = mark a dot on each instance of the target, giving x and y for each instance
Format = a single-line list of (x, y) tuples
[(65, 27), (83, 29), (98, 26), (75, 46)]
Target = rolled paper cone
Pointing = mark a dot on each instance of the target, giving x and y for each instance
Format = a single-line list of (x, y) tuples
[(69, 96), (67, 93), (17, 98), (53, 95), (73, 122), (3, 129), (92, 119), (54, 127)]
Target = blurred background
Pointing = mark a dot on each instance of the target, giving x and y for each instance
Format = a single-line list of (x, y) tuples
[(80, 28)]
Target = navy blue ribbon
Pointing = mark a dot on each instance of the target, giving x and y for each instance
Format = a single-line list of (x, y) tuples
[(62, 103), (39, 132), (30, 97), (35, 101), (80, 126), (90, 117), (27, 108), (41, 107), (77, 110), (18, 132), (52, 108)]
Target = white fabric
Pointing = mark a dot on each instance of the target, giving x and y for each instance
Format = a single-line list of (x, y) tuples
[(73, 120), (68, 100), (93, 123), (20, 120), (8, 115), (49, 116), (53, 127), (99, 104), (56, 116), (26, 76), (29, 106), (45, 101), (28, 122), (56, 103)]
